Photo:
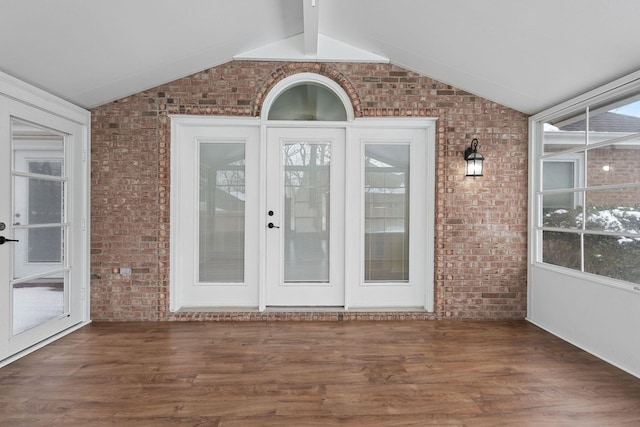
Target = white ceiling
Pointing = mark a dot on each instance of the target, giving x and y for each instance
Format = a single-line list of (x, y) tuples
[(527, 55)]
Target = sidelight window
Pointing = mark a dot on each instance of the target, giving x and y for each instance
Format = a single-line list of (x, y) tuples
[(386, 210)]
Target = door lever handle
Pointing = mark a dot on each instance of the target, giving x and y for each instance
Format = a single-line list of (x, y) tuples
[(3, 240), (271, 225)]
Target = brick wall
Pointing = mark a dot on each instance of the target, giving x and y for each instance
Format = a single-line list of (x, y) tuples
[(480, 248)]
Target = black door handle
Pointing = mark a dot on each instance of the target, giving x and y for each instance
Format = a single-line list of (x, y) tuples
[(4, 239), (271, 225)]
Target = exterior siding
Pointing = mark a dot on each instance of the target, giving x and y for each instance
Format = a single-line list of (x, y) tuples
[(481, 223)]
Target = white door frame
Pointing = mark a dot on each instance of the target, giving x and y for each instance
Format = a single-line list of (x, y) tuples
[(279, 293), (26, 102), (352, 251), (187, 133), (417, 292)]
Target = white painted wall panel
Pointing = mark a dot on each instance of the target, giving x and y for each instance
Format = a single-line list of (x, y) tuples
[(601, 319)]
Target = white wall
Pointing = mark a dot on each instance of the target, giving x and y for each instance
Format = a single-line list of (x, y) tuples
[(600, 318)]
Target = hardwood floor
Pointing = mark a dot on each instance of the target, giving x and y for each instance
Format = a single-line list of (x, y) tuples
[(444, 373)]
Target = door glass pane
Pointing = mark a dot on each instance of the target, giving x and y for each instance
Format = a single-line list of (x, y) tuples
[(41, 203), (222, 212), (386, 201), (42, 245), (38, 225), (39, 182), (38, 201), (306, 206), (45, 196), (37, 150), (37, 301)]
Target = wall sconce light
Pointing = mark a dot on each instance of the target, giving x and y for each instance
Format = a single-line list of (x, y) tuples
[(474, 159)]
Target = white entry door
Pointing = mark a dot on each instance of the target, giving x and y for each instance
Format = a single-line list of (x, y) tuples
[(41, 227), (305, 217)]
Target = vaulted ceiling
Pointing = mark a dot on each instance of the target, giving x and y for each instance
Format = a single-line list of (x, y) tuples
[(527, 55)]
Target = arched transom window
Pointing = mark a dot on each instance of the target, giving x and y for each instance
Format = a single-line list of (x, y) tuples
[(308, 97)]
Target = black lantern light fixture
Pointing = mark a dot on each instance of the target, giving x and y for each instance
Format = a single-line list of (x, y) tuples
[(474, 159)]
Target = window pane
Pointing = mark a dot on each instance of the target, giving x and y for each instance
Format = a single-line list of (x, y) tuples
[(561, 249), (565, 133), (614, 164), (386, 213), (611, 256), (307, 101), (222, 213), (41, 245), (614, 119), (558, 201), (614, 210), (45, 167), (306, 222), (561, 216)]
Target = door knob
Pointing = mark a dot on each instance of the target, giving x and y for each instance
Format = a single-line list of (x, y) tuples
[(271, 225), (4, 239)]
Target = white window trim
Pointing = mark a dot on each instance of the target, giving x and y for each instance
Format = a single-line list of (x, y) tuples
[(617, 89), (296, 79)]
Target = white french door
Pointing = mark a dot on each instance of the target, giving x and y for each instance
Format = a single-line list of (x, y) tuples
[(301, 214), (41, 226), (391, 211), (215, 222), (305, 217)]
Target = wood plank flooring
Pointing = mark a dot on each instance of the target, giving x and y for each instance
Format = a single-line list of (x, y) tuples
[(438, 373)]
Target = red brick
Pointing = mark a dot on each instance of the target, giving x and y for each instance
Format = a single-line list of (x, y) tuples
[(480, 241)]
